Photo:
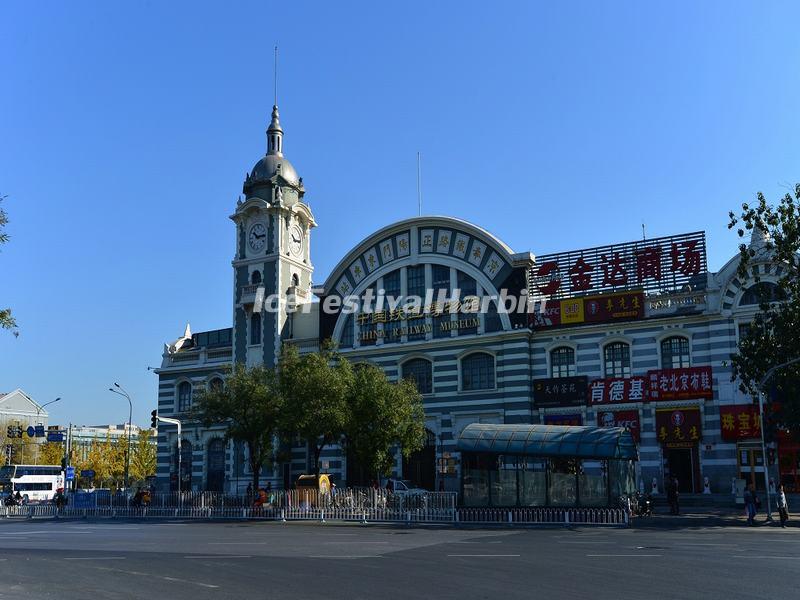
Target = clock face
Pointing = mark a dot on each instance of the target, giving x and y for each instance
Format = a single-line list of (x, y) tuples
[(295, 240), (258, 237)]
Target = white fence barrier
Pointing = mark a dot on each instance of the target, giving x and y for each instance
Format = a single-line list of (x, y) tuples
[(363, 505)]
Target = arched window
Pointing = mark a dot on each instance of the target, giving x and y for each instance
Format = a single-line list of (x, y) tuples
[(617, 357), (491, 320), (216, 384), (477, 372), (255, 328), (761, 292), (255, 278), (346, 339), (295, 280), (184, 396), (420, 371), (215, 467), (562, 362), (674, 352)]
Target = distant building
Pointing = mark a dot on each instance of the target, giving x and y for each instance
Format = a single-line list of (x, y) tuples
[(17, 408), (84, 435)]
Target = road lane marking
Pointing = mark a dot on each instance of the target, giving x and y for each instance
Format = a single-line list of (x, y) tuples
[(482, 555), (345, 557), (587, 542), (216, 556), (95, 558), (237, 543), (765, 556), (175, 579), (355, 542), (620, 555)]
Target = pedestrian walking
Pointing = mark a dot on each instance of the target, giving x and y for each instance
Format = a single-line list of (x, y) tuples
[(783, 507), (750, 504), (672, 495)]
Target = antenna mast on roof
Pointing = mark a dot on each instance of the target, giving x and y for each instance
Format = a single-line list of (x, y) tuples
[(275, 74), (419, 186), (644, 237)]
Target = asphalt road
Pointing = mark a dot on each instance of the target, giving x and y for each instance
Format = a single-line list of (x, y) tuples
[(179, 560)]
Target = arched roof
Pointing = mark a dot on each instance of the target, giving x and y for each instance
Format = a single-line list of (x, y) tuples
[(421, 239)]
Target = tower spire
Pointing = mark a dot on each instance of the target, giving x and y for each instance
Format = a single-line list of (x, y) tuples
[(274, 131)]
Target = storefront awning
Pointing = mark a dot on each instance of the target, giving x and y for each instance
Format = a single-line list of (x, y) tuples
[(549, 440)]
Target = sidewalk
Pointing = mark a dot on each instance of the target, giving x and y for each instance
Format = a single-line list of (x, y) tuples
[(711, 516)]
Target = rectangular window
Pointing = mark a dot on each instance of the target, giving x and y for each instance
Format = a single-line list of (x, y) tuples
[(617, 360), (562, 362)]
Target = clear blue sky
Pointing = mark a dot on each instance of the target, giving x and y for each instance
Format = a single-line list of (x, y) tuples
[(126, 131)]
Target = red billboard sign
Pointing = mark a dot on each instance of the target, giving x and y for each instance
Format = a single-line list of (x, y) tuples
[(618, 390), (654, 265), (621, 418), (677, 384), (678, 426), (591, 309), (739, 422)]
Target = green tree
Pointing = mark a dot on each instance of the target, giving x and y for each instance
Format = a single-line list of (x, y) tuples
[(143, 457), (314, 387), (6, 320), (773, 336), (382, 415), (249, 405)]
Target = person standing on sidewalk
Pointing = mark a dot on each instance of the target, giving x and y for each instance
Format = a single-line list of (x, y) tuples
[(783, 507)]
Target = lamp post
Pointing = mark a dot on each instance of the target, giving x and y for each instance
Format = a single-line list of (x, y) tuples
[(38, 412), (761, 395), (121, 392)]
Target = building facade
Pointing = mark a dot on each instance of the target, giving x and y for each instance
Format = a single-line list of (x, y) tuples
[(636, 334)]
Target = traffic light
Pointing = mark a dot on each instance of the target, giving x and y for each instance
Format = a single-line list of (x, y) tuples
[(11, 432), (64, 463), (154, 419)]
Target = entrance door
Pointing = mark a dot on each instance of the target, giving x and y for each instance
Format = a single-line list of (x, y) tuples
[(420, 467), (680, 463), (216, 465)]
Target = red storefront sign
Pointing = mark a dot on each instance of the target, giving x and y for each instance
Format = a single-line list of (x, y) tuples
[(678, 426), (621, 418), (618, 390), (677, 384), (598, 309), (739, 422)]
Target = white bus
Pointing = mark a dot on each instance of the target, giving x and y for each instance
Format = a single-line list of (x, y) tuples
[(35, 483)]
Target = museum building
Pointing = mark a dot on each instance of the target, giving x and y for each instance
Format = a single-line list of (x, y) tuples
[(635, 334)]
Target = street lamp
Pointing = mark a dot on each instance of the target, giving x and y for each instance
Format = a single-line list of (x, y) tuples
[(121, 392), (39, 409), (38, 412), (761, 395)]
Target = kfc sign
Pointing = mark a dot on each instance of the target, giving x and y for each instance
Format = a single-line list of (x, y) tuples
[(618, 390), (625, 306), (621, 418), (654, 265)]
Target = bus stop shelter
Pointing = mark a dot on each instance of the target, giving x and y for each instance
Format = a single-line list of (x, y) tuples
[(545, 465)]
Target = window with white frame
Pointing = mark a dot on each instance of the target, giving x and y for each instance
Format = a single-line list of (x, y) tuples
[(617, 359), (562, 362), (477, 372), (674, 352)]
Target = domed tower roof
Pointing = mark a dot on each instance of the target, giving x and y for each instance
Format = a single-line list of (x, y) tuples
[(274, 163)]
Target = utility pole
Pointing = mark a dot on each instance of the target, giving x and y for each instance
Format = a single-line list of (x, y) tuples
[(178, 423)]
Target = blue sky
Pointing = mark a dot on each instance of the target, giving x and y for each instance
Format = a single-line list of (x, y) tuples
[(127, 130)]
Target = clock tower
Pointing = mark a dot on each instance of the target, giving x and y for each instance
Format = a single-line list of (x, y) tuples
[(272, 264)]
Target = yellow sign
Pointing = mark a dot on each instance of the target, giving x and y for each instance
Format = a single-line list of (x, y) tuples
[(572, 311)]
